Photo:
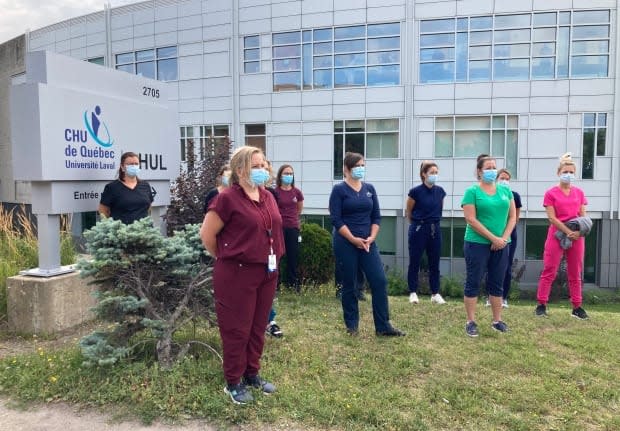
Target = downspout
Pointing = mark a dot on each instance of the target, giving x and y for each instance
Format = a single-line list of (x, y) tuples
[(234, 49)]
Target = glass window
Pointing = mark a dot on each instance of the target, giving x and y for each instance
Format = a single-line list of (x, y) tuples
[(251, 67), (323, 61), (591, 254), (481, 23), (146, 69), (591, 47), (564, 18), (322, 48), (323, 78), (382, 43), (437, 54), (97, 60), (436, 72), (543, 49), (287, 81), (349, 32), (148, 54), (462, 24), (535, 236), (471, 143), (591, 65), (512, 51), (383, 57), (287, 64), (512, 69), (508, 21), (350, 77), (442, 39), (444, 123), (388, 125), (563, 51), (543, 67), (323, 34), (472, 123), (437, 25), (286, 38), (590, 17), (480, 70), (512, 36), (481, 37), (350, 45), (384, 75), (251, 42), (169, 51), (350, 60), (126, 68), (443, 144), (590, 32), (544, 34), (125, 58), (167, 70), (386, 242), (384, 29), (382, 145), (252, 54), (286, 51), (307, 36), (255, 136), (545, 18)]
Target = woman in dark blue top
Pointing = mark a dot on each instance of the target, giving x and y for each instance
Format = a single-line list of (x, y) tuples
[(424, 206), (355, 215)]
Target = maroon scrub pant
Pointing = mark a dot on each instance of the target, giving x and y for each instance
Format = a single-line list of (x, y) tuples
[(243, 297)]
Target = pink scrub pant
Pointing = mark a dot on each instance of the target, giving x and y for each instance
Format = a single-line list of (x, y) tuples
[(574, 266)]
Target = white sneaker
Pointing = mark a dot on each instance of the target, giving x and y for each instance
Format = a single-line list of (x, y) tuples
[(437, 299), (505, 303), (413, 298)]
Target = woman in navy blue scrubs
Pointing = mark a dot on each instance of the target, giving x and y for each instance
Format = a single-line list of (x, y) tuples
[(424, 206), (355, 215)]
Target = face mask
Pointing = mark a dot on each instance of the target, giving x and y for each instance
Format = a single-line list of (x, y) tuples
[(504, 182), (259, 176), (489, 175), (432, 179), (567, 178), (132, 170), (287, 180), (358, 172), (225, 180)]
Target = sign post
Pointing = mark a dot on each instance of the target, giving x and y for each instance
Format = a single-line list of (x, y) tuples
[(70, 123)]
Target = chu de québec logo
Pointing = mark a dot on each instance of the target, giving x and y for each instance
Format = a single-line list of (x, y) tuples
[(90, 147)]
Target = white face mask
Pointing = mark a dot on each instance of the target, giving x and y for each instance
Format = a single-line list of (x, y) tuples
[(504, 182)]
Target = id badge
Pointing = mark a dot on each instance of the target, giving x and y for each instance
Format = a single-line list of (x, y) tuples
[(271, 263)]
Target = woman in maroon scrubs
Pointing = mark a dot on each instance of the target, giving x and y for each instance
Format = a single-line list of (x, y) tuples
[(243, 231)]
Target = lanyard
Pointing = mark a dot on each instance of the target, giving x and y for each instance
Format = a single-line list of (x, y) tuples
[(268, 227)]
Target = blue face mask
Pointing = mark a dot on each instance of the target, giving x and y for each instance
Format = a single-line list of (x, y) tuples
[(225, 180), (287, 180), (567, 178), (259, 176), (489, 175), (132, 170), (358, 172), (432, 179)]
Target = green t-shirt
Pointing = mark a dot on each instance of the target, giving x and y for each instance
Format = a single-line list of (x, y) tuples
[(491, 211)]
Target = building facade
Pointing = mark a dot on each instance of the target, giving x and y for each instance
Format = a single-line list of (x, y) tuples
[(400, 81)]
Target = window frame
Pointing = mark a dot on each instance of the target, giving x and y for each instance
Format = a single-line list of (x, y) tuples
[(158, 58)]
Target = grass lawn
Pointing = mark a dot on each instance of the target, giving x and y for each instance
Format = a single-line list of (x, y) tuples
[(555, 373)]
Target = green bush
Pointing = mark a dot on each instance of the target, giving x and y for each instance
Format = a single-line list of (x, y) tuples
[(316, 257), (396, 282), (452, 286)]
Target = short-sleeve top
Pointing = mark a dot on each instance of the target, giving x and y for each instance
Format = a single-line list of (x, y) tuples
[(566, 207), (287, 203), (517, 197), (491, 210), (428, 203), (357, 210), (126, 204), (245, 237)]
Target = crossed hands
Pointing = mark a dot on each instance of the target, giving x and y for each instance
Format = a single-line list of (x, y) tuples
[(363, 243), (498, 243)]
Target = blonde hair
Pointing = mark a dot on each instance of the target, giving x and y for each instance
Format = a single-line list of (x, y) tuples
[(242, 160), (425, 166), (504, 171), (566, 160)]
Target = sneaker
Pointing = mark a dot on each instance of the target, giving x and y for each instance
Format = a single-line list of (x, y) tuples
[(580, 313), (505, 303), (541, 310), (274, 330), (391, 332), (413, 298), (500, 326), (487, 303), (437, 299), (257, 382), (239, 393), (471, 329)]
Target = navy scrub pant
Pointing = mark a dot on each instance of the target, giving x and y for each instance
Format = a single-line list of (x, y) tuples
[(349, 258), (511, 257), (424, 237), (291, 244), (480, 259)]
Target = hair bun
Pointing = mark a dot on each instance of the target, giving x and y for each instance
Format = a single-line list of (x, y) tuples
[(566, 157)]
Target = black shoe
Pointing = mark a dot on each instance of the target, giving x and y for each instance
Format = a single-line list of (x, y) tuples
[(257, 382), (274, 330), (541, 310), (353, 332), (391, 332), (580, 313)]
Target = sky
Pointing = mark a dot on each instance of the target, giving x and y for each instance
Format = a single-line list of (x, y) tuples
[(18, 15)]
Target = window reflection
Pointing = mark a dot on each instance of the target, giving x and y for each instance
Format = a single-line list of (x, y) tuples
[(350, 77)]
